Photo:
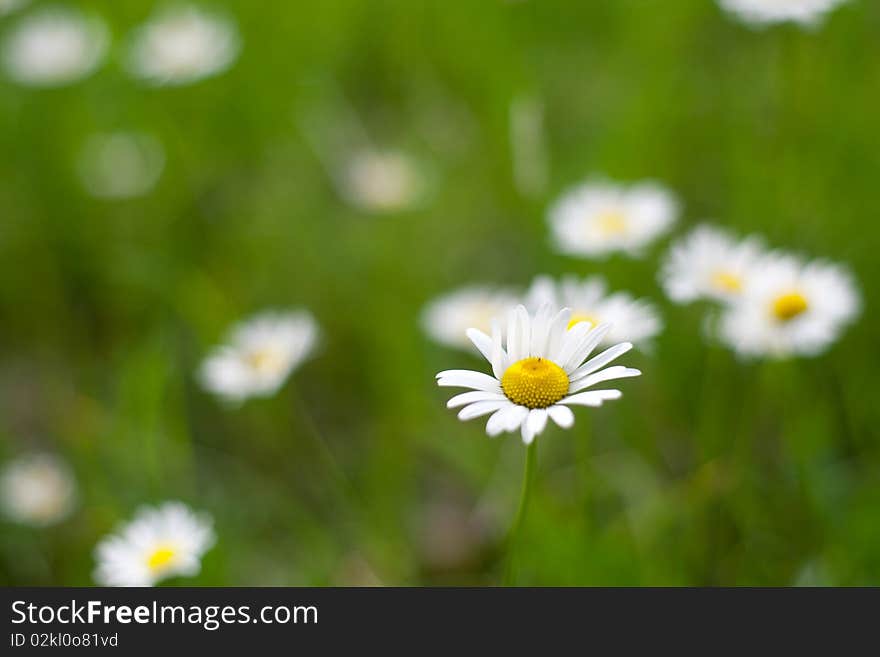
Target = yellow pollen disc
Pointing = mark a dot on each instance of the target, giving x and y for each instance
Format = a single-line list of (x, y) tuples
[(577, 318), (788, 306), (535, 383), (263, 360), (612, 222), (160, 558), (727, 282)]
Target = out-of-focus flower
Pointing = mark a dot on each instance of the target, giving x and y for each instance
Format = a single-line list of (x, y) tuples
[(9, 6), (181, 45), (631, 320), (598, 218), (55, 46), (790, 307), (37, 490), (447, 318), (539, 375), (760, 12), (160, 542), (121, 164), (709, 263), (382, 181), (259, 355)]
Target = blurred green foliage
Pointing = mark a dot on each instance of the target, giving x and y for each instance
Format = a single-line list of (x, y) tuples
[(708, 471)]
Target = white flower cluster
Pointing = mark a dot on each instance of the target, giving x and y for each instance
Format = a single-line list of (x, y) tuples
[(772, 303)]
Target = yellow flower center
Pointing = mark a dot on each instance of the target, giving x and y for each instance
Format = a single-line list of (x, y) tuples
[(727, 282), (577, 318), (788, 306), (160, 558), (535, 383), (264, 360), (611, 222)]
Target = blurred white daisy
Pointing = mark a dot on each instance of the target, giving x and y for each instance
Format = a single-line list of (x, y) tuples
[(447, 318), (790, 307), (54, 46), (9, 6), (709, 263), (37, 490), (382, 181), (598, 218), (538, 375), (759, 12), (632, 320), (121, 164), (259, 355), (160, 542), (181, 45)]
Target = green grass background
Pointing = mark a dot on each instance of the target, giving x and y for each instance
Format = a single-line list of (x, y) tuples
[(708, 471)]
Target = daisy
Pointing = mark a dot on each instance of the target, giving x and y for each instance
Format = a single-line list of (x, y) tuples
[(791, 307), (121, 164), (181, 45), (259, 355), (631, 320), (382, 181), (37, 490), (709, 263), (447, 318), (55, 46), (539, 374), (598, 218), (760, 12), (161, 542)]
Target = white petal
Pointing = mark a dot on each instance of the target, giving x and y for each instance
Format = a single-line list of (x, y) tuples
[(556, 333), (527, 434), (513, 352), (525, 331), (496, 422), (591, 397), (481, 408), (601, 360), (537, 420), (474, 396), (561, 415), (608, 374), (515, 417), (540, 326), (499, 358), (506, 418), (572, 339), (468, 379), (585, 347), (481, 341)]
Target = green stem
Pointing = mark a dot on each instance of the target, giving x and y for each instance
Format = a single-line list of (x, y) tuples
[(519, 519)]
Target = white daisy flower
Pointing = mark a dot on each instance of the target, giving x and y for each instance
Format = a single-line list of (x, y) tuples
[(37, 490), (161, 542), (259, 355), (55, 46), (9, 6), (382, 181), (447, 318), (709, 263), (791, 307), (121, 164), (539, 374), (631, 319), (761, 12), (598, 218), (181, 45)]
